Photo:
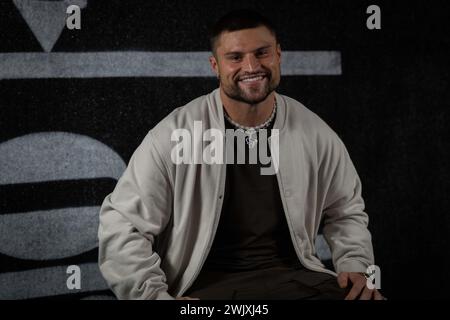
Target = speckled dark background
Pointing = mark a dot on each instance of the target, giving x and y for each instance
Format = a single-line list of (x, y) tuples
[(390, 106)]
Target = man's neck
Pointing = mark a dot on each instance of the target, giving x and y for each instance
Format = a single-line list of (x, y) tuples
[(248, 114)]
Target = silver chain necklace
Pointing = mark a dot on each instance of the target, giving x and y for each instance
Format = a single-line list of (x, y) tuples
[(251, 132)]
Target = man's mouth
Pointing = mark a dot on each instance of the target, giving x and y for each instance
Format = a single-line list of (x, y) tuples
[(253, 78)]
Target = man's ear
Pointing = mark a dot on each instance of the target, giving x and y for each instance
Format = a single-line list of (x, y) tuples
[(279, 51), (214, 65)]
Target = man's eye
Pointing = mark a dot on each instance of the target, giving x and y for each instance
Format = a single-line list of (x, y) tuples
[(235, 58), (261, 53)]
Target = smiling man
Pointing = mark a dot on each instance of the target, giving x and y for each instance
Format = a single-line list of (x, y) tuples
[(226, 231)]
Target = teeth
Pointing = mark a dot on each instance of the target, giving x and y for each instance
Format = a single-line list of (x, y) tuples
[(252, 79)]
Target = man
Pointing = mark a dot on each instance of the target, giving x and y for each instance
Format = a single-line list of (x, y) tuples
[(210, 230)]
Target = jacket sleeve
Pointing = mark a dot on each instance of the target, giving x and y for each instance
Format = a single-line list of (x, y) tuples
[(130, 218), (345, 222)]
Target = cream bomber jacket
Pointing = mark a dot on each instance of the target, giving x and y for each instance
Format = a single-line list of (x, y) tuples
[(157, 226)]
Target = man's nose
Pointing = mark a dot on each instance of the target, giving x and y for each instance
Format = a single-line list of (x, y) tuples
[(251, 63)]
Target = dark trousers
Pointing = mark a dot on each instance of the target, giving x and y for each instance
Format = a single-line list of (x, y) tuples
[(277, 283)]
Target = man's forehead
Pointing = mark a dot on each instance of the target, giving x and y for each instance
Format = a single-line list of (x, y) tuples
[(246, 39)]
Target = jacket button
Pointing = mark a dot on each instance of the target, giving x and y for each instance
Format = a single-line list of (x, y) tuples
[(220, 197)]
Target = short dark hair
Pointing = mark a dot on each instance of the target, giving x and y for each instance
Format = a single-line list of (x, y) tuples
[(238, 20)]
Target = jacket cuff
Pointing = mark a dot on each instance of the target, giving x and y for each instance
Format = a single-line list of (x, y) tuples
[(352, 266)]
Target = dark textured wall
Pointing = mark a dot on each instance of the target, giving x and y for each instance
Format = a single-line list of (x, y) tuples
[(389, 105)]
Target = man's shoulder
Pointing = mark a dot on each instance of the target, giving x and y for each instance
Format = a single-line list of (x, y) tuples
[(312, 129), (183, 116), (306, 120)]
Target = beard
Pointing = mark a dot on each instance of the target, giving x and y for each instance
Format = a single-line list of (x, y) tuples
[(251, 94)]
